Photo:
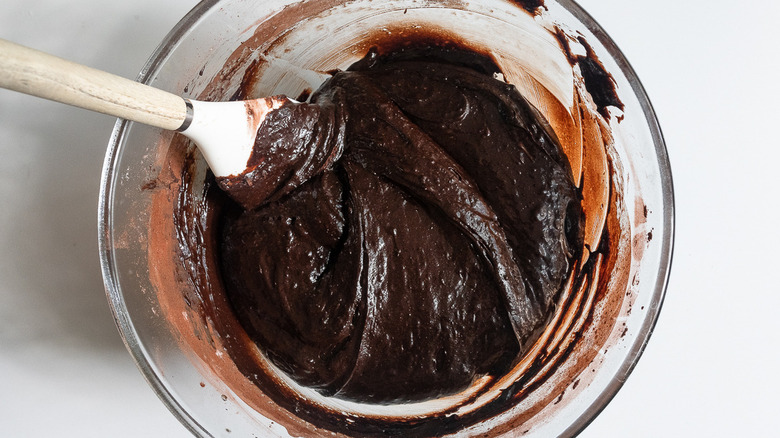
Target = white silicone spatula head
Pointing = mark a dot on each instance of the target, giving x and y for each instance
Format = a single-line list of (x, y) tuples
[(223, 131)]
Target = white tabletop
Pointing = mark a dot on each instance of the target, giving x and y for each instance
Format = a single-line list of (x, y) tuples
[(711, 71)]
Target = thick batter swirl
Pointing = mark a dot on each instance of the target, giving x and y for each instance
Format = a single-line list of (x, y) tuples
[(417, 220)]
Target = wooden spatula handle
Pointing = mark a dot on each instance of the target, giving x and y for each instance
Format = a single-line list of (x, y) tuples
[(39, 74)]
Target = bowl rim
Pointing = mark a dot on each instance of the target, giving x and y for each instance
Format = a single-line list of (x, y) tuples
[(119, 308), (105, 224), (636, 350)]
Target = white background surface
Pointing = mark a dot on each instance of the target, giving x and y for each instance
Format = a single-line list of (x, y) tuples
[(711, 69)]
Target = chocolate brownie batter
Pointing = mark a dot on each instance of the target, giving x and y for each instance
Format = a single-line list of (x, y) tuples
[(415, 223)]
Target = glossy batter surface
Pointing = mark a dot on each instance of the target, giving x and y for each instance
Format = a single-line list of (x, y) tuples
[(417, 220)]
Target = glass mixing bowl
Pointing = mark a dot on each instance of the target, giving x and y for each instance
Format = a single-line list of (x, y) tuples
[(286, 46)]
